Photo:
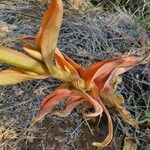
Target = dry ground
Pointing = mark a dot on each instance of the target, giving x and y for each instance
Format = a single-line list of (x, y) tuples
[(87, 36)]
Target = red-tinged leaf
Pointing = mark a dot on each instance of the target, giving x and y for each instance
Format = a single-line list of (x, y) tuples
[(51, 100), (13, 76), (102, 69), (126, 64), (63, 64), (109, 137), (50, 30), (72, 102)]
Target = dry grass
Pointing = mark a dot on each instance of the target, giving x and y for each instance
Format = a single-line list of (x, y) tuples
[(86, 36)]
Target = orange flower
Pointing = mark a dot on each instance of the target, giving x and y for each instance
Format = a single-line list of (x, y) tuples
[(98, 90)]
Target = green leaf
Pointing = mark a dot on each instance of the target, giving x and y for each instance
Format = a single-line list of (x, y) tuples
[(13, 76), (15, 58)]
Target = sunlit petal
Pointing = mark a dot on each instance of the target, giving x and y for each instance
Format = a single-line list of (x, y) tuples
[(63, 64), (49, 34)]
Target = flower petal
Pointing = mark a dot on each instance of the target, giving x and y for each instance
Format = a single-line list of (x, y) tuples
[(89, 74), (98, 108), (51, 100), (78, 67), (72, 102), (63, 64), (45, 19), (102, 69)]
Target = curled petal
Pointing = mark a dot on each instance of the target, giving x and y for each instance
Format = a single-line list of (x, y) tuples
[(51, 100), (116, 100), (109, 137), (127, 64), (104, 82), (72, 102), (104, 68), (91, 71), (98, 108), (114, 74)]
